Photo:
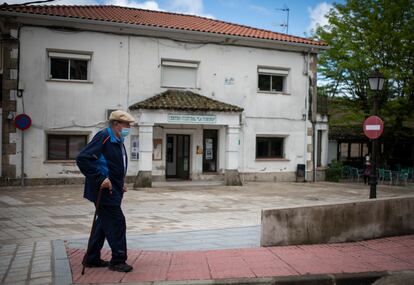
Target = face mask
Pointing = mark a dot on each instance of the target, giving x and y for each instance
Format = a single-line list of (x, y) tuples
[(125, 132)]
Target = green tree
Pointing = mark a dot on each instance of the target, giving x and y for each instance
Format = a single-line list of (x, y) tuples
[(365, 35)]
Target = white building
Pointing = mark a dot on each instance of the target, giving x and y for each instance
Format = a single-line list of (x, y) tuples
[(212, 100)]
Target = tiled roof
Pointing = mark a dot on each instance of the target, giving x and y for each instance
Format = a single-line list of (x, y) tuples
[(140, 17), (184, 100)]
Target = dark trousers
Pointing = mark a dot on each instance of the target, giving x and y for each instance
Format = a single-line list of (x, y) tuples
[(111, 225), (366, 179)]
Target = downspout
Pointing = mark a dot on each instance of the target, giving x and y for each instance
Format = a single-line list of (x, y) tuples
[(313, 120), (305, 154), (128, 71), (20, 95), (314, 144)]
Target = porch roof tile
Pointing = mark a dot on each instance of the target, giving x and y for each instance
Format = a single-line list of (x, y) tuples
[(184, 100)]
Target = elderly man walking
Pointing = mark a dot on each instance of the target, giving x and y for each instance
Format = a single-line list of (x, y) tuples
[(104, 162)]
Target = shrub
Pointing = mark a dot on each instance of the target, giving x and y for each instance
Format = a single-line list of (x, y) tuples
[(334, 171)]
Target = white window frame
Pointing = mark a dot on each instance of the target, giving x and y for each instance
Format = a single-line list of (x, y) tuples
[(183, 64), (87, 56), (274, 71)]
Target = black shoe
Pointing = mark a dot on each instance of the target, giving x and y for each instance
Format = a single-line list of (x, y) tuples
[(100, 263), (121, 267)]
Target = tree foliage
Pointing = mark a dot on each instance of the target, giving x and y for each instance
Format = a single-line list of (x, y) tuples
[(365, 35)]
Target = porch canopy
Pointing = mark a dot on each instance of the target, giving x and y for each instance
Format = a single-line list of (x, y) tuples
[(185, 107)]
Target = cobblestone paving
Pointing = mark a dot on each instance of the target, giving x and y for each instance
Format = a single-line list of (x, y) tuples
[(31, 218)]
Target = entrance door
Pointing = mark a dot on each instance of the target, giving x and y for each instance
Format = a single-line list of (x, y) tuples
[(178, 157), (210, 151)]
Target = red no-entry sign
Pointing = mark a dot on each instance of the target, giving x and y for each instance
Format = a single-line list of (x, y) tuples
[(373, 127)]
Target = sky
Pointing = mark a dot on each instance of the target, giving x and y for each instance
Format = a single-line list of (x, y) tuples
[(304, 15)]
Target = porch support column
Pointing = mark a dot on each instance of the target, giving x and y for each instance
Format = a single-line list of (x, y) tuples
[(144, 176), (231, 173)]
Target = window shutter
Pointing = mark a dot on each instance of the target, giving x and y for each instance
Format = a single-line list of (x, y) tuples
[(273, 71), (70, 55), (180, 64)]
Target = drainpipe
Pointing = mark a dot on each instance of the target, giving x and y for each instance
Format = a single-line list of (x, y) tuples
[(305, 154), (314, 144), (313, 120), (20, 95), (128, 71)]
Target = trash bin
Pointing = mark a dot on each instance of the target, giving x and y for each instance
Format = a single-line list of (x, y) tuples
[(300, 173)]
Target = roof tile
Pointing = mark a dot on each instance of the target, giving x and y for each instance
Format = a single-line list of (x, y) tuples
[(184, 100), (140, 17)]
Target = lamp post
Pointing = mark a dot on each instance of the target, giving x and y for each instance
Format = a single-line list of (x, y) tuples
[(376, 82)]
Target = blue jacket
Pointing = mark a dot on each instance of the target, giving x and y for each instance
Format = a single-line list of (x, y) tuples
[(104, 157)]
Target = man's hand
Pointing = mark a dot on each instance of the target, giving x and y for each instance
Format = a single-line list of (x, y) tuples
[(125, 189), (106, 184)]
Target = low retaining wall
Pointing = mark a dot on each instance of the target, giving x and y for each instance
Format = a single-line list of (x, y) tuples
[(338, 222)]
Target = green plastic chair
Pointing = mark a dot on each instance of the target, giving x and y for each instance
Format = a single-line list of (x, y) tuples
[(388, 175), (403, 177), (355, 173), (346, 172), (410, 173), (381, 174)]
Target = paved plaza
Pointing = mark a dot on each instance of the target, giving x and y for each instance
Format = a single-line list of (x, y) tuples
[(38, 223)]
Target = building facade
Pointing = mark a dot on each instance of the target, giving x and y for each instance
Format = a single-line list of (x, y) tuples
[(234, 104)]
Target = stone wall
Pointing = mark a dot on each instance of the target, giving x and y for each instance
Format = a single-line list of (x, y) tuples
[(9, 52), (338, 222)]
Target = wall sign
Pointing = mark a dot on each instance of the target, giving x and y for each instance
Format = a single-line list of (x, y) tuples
[(134, 147), (209, 149), (192, 119), (157, 151)]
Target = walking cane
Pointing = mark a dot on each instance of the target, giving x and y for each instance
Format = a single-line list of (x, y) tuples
[(92, 230)]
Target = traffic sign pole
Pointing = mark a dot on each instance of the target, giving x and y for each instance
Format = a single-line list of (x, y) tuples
[(373, 181), (22, 122), (373, 128)]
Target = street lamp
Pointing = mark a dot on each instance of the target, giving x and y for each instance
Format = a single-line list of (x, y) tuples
[(376, 82)]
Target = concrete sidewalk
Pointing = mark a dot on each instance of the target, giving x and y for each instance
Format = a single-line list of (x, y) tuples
[(365, 261)]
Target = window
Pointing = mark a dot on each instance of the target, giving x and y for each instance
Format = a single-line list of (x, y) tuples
[(355, 150), (352, 151), (269, 147), (108, 113), (69, 66), (343, 150), (65, 147), (319, 153), (272, 80), (179, 74)]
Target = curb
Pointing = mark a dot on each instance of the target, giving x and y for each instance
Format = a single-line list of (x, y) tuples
[(62, 273), (366, 278)]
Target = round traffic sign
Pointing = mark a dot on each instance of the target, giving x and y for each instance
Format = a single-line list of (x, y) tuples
[(373, 127), (22, 122)]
